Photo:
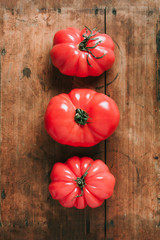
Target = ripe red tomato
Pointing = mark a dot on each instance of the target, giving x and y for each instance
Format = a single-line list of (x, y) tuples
[(81, 118), (82, 53), (80, 182)]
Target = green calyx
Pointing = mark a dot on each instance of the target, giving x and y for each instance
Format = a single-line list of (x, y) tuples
[(81, 181), (83, 44), (81, 116)]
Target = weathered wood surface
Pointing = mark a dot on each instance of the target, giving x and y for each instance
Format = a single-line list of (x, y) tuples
[(134, 150), (28, 81)]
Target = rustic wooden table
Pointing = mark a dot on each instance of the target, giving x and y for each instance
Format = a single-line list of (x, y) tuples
[(28, 82)]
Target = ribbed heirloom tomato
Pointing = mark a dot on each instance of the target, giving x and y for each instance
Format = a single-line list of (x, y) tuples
[(82, 53), (81, 118), (80, 182)]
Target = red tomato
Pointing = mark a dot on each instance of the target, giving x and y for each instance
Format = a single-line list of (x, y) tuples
[(81, 118), (80, 182), (82, 53)]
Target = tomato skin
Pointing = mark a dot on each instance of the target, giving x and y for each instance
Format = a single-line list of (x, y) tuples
[(72, 61), (99, 182), (103, 118)]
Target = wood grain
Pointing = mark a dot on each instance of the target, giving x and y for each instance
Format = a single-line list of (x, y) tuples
[(133, 150), (28, 81), (74, 4)]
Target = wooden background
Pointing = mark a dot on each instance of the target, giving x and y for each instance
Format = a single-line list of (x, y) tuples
[(28, 81)]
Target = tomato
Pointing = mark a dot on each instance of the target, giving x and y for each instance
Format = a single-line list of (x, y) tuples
[(82, 53), (80, 182), (81, 118)]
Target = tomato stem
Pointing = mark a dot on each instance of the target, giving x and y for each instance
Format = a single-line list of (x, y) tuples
[(81, 116), (83, 44), (81, 181)]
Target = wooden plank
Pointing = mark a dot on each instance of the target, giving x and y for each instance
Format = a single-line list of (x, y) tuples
[(28, 81), (82, 4), (133, 150)]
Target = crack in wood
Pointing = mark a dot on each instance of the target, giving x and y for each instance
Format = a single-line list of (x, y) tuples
[(158, 62)]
